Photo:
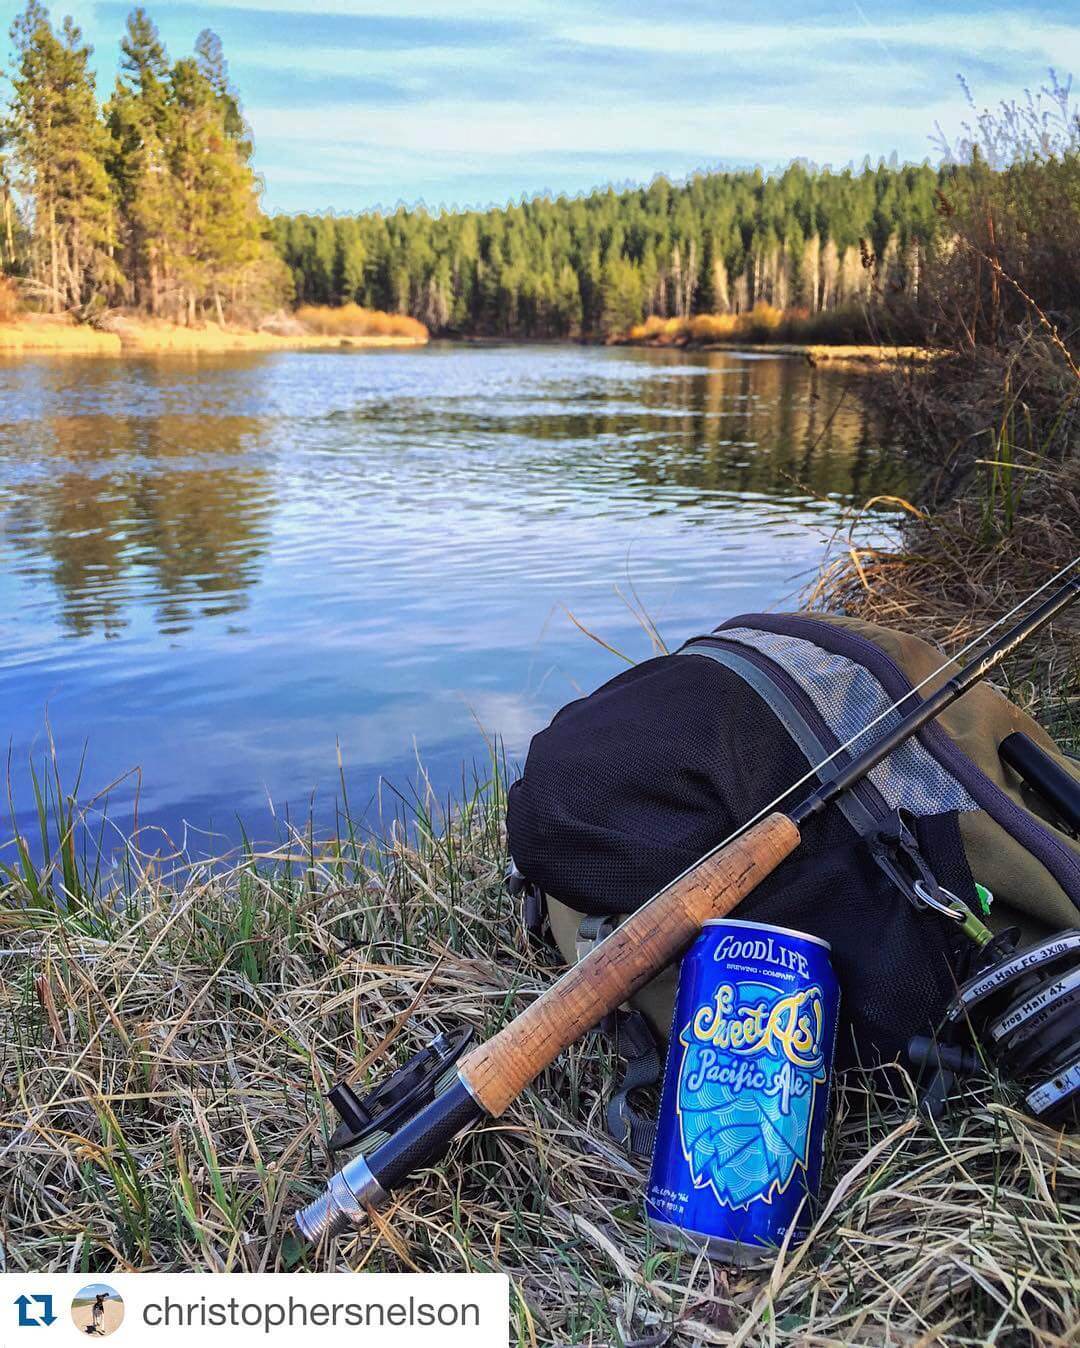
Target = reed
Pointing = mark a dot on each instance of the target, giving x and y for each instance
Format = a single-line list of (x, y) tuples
[(996, 517)]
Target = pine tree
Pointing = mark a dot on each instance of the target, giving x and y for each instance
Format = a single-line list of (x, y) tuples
[(210, 59), (566, 314), (59, 148), (138, 118), (349, 262), (217, 233), (622, 297)]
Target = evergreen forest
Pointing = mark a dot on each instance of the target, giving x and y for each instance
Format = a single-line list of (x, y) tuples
[(148, 201)]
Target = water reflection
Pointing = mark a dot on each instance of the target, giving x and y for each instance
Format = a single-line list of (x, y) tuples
[(115, 510), (217, 569)]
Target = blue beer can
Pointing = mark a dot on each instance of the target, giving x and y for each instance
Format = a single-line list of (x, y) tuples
[(741, 1132)]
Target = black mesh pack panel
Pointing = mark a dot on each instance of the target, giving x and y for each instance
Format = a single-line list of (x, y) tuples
[(632, 784)]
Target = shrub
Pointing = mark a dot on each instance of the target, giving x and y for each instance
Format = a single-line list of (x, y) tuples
[(1003, 296), (9, 299), (350, 320), (712, 327), (1014, 244), (763, 323)]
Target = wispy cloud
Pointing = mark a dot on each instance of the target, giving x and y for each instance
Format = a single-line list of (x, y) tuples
[(371, 33), (358, 102)]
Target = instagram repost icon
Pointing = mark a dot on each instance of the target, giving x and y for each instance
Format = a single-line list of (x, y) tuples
[(746, 1091), (97, 1310)]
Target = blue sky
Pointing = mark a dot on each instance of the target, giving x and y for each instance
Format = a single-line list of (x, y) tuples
[(358, 103)]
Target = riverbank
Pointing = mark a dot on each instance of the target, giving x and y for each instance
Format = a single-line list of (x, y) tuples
[(866, 355), (40, 334), (993, 520), (166, 1056)]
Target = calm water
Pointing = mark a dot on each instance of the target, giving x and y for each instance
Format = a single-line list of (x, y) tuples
[(216, 571)]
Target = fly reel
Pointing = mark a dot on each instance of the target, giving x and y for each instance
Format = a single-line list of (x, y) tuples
[(1022, 1010)]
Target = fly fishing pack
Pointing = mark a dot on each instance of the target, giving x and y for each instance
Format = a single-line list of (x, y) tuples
[(974, 820), (940, 891), (901, 844)]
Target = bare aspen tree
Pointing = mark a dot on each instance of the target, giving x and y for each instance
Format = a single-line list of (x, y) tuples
[(830, 275), (811, 269), (721, 295)]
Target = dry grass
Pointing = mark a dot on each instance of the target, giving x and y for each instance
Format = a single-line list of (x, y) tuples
[(138, 336), (350, 320), (167, 1038), (39, 333), (1011, 529), (853, 329), (146, 335), (1016, 406)]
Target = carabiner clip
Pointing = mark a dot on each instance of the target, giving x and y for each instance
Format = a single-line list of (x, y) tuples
[(970, 923), (957, 910)]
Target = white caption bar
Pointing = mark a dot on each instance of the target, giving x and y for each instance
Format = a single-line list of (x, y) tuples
[(383, 1310)]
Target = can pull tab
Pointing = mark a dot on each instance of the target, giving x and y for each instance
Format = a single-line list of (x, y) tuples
[(895, 850)]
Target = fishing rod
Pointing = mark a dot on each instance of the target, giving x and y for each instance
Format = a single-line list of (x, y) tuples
[(410, 1121)]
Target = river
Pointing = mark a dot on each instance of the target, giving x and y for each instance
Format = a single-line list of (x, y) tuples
[(217, 573)]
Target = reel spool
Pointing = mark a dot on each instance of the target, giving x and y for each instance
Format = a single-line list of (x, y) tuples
[(1023, 1011)]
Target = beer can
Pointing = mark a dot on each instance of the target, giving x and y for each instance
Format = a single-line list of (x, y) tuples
[(741, 1131)]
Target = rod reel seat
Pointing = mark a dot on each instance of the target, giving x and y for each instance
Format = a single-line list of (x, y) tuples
[(404, 1093)]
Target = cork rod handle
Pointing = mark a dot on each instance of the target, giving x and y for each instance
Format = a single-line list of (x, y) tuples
[(497, 1071)]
